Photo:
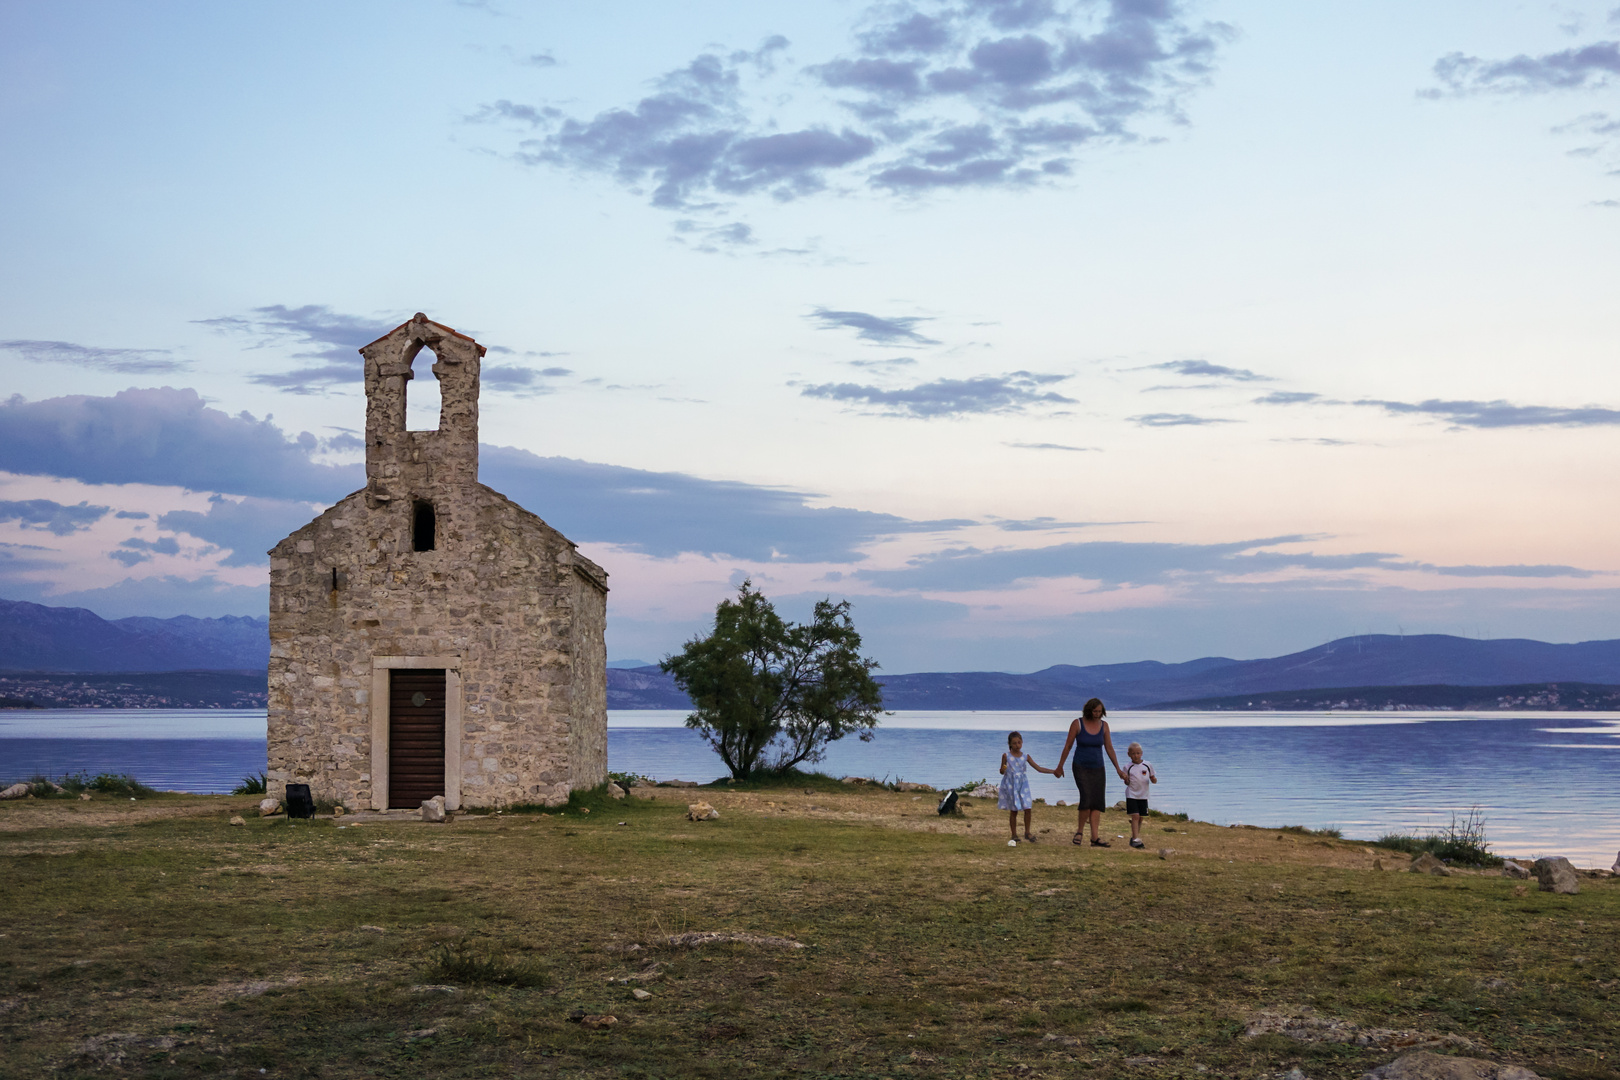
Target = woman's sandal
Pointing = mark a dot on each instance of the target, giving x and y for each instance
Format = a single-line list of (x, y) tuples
[(1079, 840), (1100, 843)]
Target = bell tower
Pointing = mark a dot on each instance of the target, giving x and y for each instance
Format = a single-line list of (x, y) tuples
[(405, 469)]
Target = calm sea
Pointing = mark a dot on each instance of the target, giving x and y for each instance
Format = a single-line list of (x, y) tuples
[(1547, 783)]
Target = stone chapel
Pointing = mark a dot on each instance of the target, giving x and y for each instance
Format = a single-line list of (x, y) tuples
[(429, 636)]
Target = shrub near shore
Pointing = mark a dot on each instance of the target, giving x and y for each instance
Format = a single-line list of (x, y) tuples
[(930, 948)]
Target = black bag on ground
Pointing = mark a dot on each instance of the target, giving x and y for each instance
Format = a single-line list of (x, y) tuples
[(947, 805), (299, 802)]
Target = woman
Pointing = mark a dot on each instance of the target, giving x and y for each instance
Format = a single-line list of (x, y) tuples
[(1089, 736)]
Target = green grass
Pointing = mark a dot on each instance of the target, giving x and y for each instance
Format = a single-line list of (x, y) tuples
[(470, 964), (254, 784), (72, 785), (1461, 843), (307, 950)]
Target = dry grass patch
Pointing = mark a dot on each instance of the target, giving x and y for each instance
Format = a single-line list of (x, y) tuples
[(400, 949)]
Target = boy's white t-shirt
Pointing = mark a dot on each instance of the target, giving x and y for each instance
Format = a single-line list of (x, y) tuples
[(1137, 777)]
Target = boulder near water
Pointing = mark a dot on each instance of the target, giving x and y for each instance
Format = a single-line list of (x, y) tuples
[(1428, 864), (701, 811), (1518, 871), (1557, 875), (16, 791)]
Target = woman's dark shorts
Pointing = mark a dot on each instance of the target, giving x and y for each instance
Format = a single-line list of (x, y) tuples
[(1136, 806), (1091, 783)]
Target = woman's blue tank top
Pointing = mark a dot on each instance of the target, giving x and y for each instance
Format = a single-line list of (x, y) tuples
[(1088, 749)]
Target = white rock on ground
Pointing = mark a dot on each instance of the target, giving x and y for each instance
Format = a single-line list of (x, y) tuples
[(16, 791), (701, 811), (268, 807), (433, 809)]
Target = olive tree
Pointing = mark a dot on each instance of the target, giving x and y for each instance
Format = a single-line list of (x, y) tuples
[(768, 694)]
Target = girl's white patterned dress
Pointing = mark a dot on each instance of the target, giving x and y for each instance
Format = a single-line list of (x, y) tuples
[(1014, 793)]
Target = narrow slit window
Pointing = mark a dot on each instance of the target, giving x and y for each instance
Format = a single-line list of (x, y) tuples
[(422, 527)]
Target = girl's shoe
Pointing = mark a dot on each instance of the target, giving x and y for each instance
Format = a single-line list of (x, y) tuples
[(1137, 843), (1029, 839), (1101, 843)]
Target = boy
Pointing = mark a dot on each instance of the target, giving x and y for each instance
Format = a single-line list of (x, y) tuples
[(1138, 774)]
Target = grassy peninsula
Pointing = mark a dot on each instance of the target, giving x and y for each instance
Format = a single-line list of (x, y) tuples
[(150, 938)]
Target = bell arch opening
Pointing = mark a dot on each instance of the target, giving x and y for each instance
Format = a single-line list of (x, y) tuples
[(423, 401)]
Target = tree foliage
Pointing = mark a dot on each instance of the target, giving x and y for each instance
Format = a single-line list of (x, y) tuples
[(770, 695)]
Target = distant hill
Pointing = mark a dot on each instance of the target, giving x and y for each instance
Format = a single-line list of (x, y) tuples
[(1384, 660), (1373, 661), (1550, 697), (37, 638), (134, 690), (643, 688), (34, 637)]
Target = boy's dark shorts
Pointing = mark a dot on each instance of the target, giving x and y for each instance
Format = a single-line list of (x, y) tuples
[(1091, 783), (1136, 806)]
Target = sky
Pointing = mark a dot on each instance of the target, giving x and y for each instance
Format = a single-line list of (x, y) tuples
[(1042, 332)]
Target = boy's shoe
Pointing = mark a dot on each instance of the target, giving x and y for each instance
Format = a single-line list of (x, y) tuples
[(1137, 842), (1101, 843)]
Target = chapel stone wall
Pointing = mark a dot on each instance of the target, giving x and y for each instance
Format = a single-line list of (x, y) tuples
[(502, 599)]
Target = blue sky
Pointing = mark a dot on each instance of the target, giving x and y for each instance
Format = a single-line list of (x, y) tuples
[(1043, 332)]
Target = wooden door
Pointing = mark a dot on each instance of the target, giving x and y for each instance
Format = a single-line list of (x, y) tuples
[(415, 736)]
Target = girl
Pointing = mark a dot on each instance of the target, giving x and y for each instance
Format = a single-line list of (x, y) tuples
[(1014, 794), (1089, 736)]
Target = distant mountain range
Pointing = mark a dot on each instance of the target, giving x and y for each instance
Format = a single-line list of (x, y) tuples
[(34, 637), (37, 638), (134, 690), (1373, 662), (1563, 696)]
